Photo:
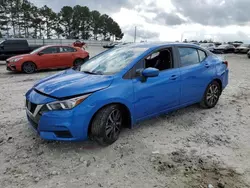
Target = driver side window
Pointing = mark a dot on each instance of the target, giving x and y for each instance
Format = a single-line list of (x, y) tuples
[(161, 59), (50, 50)]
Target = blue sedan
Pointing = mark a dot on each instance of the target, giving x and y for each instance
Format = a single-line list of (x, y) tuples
[(122, 86)]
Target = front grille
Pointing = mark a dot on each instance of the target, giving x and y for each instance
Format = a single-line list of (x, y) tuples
[(33, 123), (31, 106)]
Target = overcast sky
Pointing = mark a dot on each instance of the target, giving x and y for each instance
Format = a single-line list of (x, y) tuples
[(171, 20)]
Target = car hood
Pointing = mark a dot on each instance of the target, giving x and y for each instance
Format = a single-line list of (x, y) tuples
[(18, 56), (72, 83)]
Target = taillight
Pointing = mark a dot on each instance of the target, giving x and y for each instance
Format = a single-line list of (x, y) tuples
[(225, 63)]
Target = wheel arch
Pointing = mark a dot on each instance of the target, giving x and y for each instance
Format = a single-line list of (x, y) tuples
[(219, 82), (27, 61), (125, 109)]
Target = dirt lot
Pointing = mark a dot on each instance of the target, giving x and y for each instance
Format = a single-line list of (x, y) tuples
[(191, 147)]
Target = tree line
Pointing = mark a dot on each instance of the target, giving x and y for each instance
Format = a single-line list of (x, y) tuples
[(22, 19)]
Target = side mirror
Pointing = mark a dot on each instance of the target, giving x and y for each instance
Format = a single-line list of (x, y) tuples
[(150, 72), (40, 53), (2, 46)]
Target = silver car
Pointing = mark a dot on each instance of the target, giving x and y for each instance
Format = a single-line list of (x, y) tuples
[(208, 46)]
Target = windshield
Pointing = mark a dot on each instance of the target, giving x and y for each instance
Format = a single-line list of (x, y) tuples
[(112, 61), (37, 50)]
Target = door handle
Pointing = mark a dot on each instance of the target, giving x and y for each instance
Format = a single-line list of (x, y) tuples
[(207, 65), (173, 77)]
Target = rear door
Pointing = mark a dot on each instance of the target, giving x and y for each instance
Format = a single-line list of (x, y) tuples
[(197, 71), (49, 58), (66, 56)]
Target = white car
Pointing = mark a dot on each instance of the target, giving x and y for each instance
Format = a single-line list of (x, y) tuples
[(208, 46)]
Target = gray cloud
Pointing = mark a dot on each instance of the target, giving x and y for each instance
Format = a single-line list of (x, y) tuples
[(141, 34), (214, 13), (169, 18), (161, 17)]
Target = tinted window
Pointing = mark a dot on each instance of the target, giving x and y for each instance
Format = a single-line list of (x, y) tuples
[(189, 56), (50, 50), (65, 49), (202, 55)]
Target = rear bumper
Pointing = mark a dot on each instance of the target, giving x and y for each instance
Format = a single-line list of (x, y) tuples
[(225, 79)]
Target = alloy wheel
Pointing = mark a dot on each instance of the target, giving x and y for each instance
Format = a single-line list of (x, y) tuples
[(113, 124), (29, 68), (213, 95)]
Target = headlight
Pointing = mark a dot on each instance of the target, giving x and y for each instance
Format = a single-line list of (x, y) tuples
[(15, 59), (66, 104)]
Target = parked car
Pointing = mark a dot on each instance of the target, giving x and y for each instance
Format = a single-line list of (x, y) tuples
[(13, 47), (123, 86), (248, 54), (244, 48), (217, 44), (208, 46), (110, 45), (224, 48), (47, 57)]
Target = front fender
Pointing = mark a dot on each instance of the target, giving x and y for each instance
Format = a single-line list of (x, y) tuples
[(119, 92)]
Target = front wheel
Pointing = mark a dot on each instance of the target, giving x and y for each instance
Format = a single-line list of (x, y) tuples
[(29, 67), (212, 95), (107, 124)]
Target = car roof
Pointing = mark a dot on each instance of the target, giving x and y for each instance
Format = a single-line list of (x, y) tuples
[(153, 45), (58, 45)]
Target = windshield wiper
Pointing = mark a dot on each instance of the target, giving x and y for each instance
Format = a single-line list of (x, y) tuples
[(95, 73)]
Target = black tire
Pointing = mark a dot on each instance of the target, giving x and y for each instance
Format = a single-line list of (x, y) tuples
[(106, 125), (211, 95), (78, 62), (29, 67)]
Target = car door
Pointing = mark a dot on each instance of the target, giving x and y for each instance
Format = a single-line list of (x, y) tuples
[(157, 94), (196, 71), (48, 58), (67, 55)]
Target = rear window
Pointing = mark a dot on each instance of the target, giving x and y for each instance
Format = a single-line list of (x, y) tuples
[(16, 42), (189, 56)]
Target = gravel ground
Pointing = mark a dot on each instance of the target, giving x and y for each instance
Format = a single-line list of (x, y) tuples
[(191, 147)]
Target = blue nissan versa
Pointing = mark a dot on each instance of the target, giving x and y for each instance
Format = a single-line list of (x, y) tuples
[(123, 86)]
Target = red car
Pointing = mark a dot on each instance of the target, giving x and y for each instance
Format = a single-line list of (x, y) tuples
[(47, 57)]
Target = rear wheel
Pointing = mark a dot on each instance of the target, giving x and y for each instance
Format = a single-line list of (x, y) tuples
[(212, 95), (29, 67), (78, 62), (107, 124)]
